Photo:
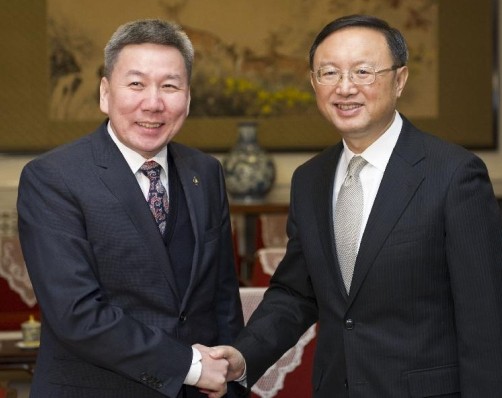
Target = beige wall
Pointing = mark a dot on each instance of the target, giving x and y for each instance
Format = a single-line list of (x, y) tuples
[(10, 167)]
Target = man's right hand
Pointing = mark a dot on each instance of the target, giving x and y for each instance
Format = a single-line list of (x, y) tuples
[(237, 364), (213, 379)]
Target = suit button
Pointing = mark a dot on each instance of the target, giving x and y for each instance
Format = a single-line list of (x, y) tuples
[(346, 384), (183, 317), (349, 324)]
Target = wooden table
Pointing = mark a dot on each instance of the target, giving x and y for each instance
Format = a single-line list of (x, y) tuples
[(277, 201), (15, 358)]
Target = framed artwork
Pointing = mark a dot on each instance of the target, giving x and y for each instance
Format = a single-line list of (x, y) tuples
[(251, 64)]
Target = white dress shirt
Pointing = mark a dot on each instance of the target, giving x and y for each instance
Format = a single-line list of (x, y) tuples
[(135, 161), (377, 155)]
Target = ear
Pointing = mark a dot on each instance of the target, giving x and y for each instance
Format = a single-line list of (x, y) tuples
[(104, 91), (188, 102), (401, 78), (312, 82)]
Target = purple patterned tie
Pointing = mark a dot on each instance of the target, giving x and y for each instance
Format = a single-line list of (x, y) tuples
[(157, 195)]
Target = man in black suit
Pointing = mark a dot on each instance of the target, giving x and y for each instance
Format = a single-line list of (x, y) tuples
[(420, 313), (132, 265)]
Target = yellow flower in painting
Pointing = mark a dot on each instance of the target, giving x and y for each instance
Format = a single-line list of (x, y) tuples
[(238, 96), (266, 110)]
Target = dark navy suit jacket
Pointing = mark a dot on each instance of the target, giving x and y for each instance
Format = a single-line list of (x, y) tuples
[(424, 313), (114, 323)]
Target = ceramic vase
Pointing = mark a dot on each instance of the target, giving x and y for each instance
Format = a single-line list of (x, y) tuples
[(249, 170)]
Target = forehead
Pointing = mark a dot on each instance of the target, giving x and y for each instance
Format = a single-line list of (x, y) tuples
[(353, 44), (149, 56)]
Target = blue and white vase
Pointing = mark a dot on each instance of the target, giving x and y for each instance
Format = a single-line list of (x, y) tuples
[(249, 170)]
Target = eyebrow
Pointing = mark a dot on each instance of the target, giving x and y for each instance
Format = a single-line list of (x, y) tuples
[(169, 76), (134, 72), (355, 64), (328, 63)]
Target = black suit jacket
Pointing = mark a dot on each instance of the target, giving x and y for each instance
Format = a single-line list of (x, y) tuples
[(424, 314), (114, 324)]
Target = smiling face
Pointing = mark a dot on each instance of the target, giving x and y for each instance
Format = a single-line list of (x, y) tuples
[(360, 113), (147, 96)]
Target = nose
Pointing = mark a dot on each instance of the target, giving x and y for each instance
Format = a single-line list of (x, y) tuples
[(153, 100), (345, 85)]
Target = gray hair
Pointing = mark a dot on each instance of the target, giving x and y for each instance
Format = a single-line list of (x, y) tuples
[(154, 31)]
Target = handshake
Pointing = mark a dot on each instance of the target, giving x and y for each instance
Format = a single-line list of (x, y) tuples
[(219, 365)]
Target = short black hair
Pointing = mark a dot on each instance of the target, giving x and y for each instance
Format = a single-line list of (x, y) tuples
[(395, 40)]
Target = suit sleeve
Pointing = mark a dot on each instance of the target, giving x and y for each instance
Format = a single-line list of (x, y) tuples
[(288, 309), (63, 269), (474, 256)]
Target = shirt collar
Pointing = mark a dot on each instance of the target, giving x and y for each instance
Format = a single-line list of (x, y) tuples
[(378, 153), (133, 158)]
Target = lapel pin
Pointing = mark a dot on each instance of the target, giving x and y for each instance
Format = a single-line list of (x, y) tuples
[(195, 180)]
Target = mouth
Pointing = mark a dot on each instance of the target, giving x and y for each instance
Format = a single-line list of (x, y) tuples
[(347, 107), (150, 125)]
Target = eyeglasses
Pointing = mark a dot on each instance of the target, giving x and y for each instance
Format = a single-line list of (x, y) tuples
[(360, 75)]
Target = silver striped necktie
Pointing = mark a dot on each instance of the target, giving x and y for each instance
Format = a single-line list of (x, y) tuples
[(348, 215)]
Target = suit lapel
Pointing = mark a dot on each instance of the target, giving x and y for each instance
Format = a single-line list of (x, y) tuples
[(322, 189), (117, 176), (400, 181), (191, 182)]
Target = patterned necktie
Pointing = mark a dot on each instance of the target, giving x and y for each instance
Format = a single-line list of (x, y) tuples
[(348, 215), (157, 195)]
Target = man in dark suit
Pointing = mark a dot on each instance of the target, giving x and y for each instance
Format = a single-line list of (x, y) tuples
[(420, 314), (126, 236)]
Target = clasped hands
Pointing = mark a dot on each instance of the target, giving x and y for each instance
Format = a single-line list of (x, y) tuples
[(219, 365)]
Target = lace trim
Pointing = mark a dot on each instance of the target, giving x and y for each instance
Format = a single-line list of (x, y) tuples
[(12, 266), (273, 379), (14, 271)]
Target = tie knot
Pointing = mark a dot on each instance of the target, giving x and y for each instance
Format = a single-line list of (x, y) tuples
[(151, 169), (355, 166)]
